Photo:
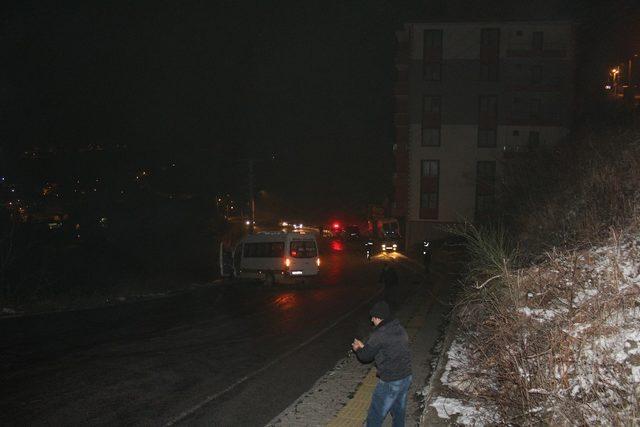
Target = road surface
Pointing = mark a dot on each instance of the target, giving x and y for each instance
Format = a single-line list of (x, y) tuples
[(226, 354)]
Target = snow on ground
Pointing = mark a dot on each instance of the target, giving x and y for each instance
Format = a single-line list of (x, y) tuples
[(593, 298), (463, 413)]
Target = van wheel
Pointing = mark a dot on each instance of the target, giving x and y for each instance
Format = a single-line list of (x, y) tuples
[(269, 280)]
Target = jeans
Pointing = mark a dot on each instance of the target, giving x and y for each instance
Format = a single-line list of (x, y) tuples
[(389, 397)]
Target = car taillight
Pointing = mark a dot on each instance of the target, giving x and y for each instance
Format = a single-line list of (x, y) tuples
[(318, 262), (287, 262)]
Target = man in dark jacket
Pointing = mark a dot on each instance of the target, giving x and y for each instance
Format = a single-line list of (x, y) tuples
[(388, 345)]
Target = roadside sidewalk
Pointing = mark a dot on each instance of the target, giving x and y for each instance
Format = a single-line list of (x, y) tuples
[(341, 397)]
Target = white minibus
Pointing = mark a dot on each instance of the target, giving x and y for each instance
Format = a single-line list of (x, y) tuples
[(272, 257)]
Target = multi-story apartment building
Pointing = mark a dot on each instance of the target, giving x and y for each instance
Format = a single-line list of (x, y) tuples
[(468, 96)]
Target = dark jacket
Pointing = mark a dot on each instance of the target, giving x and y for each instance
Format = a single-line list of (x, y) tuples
[(388, 345)]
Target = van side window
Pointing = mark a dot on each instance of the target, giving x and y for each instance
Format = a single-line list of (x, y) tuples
[(264, 250), (303, 249)]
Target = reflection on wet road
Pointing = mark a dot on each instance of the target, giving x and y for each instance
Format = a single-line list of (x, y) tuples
[(147, 363)]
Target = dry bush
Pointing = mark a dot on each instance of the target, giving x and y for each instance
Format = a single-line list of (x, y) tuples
[(530, 362), (540, 334), (576, 193)]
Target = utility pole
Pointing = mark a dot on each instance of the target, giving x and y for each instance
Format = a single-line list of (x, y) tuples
[(252, 200)]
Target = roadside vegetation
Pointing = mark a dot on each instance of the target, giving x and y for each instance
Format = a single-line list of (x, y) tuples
[(150, 246), (549, 325)]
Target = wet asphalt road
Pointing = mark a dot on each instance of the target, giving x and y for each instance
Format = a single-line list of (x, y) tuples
[(229, 354)]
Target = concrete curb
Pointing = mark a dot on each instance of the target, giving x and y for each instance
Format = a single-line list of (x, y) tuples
[(429, 416)]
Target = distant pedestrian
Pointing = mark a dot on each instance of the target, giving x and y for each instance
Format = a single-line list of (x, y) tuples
[(388, 346), (388, 276)]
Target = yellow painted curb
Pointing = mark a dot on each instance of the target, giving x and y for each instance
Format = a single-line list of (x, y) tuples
[(355, 411)]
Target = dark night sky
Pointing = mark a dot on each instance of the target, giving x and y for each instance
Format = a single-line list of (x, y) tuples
[(307, 80), (197, 74)]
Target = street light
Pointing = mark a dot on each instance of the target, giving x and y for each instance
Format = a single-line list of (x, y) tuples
[(615, 73)]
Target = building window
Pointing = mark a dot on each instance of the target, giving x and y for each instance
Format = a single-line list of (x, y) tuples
[(485, 187), (487, 120), (536, 74), (430, 137), (537, 40), (489, 54), (433, 39), (534, 140), (432, 104), (430, 169), (490, 37), (488, 104), (489, 71), (431, 121), (428, 201), (429, 183), (487, 138), (432, 55), (432, 71)]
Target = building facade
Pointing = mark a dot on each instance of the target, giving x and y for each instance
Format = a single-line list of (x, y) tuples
[(469, 96)]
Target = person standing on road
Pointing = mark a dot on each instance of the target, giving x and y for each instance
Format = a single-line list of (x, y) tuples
[(391, 293), (388, 276), (388, 346)]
